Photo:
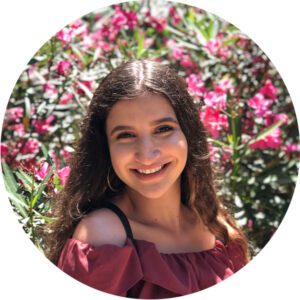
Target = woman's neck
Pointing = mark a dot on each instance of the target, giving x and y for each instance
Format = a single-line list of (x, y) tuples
[(167, 212)]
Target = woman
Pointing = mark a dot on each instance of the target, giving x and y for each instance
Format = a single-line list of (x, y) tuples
[(139, 216)]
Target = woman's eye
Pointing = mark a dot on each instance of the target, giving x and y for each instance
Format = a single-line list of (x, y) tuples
[(124, 135), (165, 129)]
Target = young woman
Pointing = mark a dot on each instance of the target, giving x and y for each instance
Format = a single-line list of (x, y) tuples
[(139, 216)]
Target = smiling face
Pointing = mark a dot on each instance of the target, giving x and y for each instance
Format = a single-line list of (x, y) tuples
[(147, 147)]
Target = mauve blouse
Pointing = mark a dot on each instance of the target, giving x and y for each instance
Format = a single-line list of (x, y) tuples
[(139, 270)]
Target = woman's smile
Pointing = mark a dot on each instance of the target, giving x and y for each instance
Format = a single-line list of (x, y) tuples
[(151, 174)]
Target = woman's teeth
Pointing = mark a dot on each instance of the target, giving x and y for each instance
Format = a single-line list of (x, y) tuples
[(150, 171)]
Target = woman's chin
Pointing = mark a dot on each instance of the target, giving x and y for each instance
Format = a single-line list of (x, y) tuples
[(151, 193)]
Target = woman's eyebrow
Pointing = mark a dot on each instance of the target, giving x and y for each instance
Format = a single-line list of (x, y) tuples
[(165, 119), (155, 122)]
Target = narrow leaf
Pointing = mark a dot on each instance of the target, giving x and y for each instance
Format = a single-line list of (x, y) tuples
[(265, 132), (42, 186)]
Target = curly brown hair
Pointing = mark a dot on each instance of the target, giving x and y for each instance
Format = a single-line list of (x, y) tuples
[(87, 185)]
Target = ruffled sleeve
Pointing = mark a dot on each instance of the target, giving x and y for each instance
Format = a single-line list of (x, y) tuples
[(236, 255), (108, 268)]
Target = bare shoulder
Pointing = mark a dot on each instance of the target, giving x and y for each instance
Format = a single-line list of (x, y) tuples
[(101, 227)]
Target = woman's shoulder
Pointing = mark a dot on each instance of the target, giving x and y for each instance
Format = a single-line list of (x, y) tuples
[(100, 227)]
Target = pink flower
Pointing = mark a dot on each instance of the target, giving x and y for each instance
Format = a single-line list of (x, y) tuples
[(224, 53), (271, 141), (177, 53), (148, 42), (273, 119), (123, 18), (76, 24), (186, 62), (250, 223), (269, 90), (196, 85), (158, 24), (19, 129), (175, 17), (4, 149), (65, 35), (87, 83), (31, 146), (224, 86), (119, 19), (131, 19), (15, 113), (63, 175), (260, 104), (213, 153), (291, 148), (50, 90), (55, 158), (66, 98), (63, 66), (214, 121), (213, 46), (66, 153), (43, 126), (42, 171), (215, 100), (226, 153)]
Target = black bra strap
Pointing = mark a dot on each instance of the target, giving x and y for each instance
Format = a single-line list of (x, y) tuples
[(122, 217)]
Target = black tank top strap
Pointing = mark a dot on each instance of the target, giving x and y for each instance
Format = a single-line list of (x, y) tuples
[(122, 217)]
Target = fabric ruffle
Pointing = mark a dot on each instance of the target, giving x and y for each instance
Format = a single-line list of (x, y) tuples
[(146, 273)]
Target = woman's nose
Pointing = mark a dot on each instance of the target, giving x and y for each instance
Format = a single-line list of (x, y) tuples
[(147, 151)]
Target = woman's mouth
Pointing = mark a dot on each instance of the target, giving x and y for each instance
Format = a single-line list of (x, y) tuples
[(151, 173)]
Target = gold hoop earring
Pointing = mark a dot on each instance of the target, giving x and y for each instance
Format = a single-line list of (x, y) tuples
[(108, 182)]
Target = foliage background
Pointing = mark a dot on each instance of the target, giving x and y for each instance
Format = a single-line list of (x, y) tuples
[(247, 110)]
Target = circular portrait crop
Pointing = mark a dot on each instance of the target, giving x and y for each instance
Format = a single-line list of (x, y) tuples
[(150, 149)]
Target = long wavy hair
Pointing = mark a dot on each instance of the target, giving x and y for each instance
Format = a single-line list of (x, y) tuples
[(87, 186)]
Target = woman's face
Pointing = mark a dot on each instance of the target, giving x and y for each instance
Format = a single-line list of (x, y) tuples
[(147, 147)]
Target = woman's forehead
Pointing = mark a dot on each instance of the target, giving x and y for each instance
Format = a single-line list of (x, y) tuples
[(147, 107)]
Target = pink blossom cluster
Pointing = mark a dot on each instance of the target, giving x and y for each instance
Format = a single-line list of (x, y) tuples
[(76, 29), (271, 141), (174, 16), (66, 98), (262, 103), (43, 126), (215, 102), (44, 168), (179, 54), (158, 24), (122, 18), (214, 47), (63, 67), (104, 37)]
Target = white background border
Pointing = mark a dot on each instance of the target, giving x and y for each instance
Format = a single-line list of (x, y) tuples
[(25, 26)]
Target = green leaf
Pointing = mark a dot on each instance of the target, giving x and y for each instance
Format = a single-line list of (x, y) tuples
[(140, 48), (78, 53), (9, 178), (27, 180), (12, 187), (87, 92), (218, 142), (175, 31), (42, 186), (27, 107), (265, 132), (229, 41), (212, 29), (46, 154)]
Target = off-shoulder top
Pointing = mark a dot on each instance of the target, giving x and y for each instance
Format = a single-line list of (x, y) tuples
[(139, 270)]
